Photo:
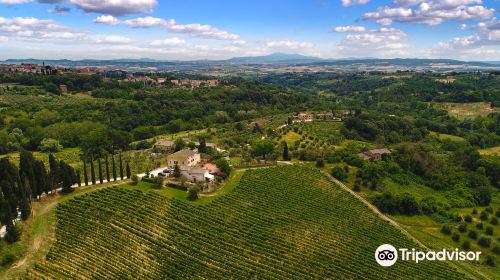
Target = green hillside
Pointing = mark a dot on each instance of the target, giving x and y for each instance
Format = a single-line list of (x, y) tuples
[(284, 222)]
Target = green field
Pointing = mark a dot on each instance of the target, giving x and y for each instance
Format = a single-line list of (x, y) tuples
[(285, 222), (495, 151), (463, 111)]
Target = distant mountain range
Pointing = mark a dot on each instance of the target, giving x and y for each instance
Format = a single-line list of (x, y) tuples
[(271, 59)]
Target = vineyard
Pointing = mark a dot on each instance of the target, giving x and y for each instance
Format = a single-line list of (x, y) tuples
[(283, 222)]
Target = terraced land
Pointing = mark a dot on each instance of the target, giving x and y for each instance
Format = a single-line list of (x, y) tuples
[(286, 222)]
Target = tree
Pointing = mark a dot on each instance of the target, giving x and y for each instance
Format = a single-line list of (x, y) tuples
[(41, 176), (26, 162), (85, 175), (286, 156), (113, 166), (92, 170), (121, 166), (202, 148), (320, 163), (339, 173), (99, 167), (193, 192), (127, 170), (179, 144), (68, 177), (177, 171), (263, 148), (50, 145), (107, 169), (24, 201), (224, 167)]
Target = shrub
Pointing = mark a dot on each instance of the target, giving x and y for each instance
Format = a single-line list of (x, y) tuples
[(490, 261), (474, 211), (496, 249), (135, 180), (473, 234), (462, 228), (193, 192), (466, 245), (320, 163), (446, 229), (479, 226), (455, 237), (489, 209), (339, 173), (497, 213), (484, 216), (156, 181), (50, 145), (484, 241), (494, 221), (489, 230), (468, 218)]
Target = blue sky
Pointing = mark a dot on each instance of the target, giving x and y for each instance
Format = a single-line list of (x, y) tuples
[(196, 29)]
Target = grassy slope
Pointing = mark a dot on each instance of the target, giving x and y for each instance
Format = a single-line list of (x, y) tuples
[(281, 222)]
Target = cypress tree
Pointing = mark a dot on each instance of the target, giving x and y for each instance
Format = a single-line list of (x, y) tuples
[(100, 170), (41, 177), (53, 173), (92, 170), (107, 169), (85, 175), (286, 156), (128, 172), (26, 162), (78, 178), (24, 203), (12, 235), (113, 166), (121, 166), (68, 177)]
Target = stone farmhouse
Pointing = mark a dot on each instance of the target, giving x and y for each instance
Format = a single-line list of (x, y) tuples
[(374, 155)]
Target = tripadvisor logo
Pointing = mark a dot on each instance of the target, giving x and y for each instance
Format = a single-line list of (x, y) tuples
[(387, 255)]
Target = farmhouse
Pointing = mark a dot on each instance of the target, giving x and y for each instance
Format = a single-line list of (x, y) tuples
[(305, 117), (197, 174), (183, 158), (164, 146), (374, 155)]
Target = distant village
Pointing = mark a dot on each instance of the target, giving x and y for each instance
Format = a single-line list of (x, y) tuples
[(120, 75)]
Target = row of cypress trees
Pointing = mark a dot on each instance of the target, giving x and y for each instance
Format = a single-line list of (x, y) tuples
[(20, 186), (124, 170)]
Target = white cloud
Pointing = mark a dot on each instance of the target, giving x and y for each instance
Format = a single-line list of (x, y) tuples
[(349, 28), (194, 29), (289, 45), (347, 3), (14, 2), (107, 19), (3, 39), (116, 7), (169, 42), (112, 7), (463, 26), (201, 30), (111, 39), (381, 42), (430, 12), (145, 22)]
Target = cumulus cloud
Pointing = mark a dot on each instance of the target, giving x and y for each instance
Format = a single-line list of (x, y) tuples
[(169, 42), (289, 45), (14, 2), (40, 30), (112, 7), (430, 12), (110, 39), (193, 29), (482, 45), (347, 3), (382, 42), (349, 28)]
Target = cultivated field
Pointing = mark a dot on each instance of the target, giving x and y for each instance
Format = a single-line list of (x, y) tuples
[(285, 222), (467, 110)]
